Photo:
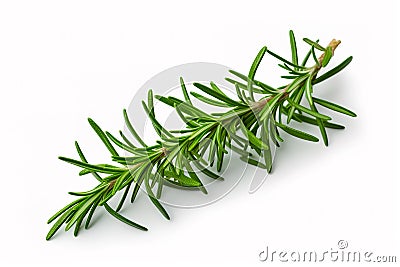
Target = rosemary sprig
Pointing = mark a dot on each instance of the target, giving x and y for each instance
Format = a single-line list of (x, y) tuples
[(249, 125)]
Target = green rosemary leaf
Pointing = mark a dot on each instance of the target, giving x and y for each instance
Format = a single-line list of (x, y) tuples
[(196, 140), (297, 99), (333, 71), (253, 162), (220, 133), (297, 133), (232, 81), (159, 188), (78, 225), (256, 63), (86, 171), (91, 212), (321, 126), (88, 211), (217, 89), (111, 177), (220, 138), (250, 90), (279, 110), (140, 160), (189, 123), (327, 56), (241, 85), (267, 152), (58, 213), (273, 132), (145, 150), (165, 100), (150, 103), (217, 95), (182, 131), (268, 107), (123, 219), (59, 222), (309, 111), (155, 178), (302, 118), (156, 125), (188, 109), (240, 94), (264, 86), (240, 151), (240, 75), (285, 67), (334, 107), (155, 122), (268, 160), (200, 132), (207, 172), (304, 62), (203, 146), (255, 126), (293, 48), (119, 182), (297, 72), (126, 140), (314, 56), (83, 159), (119, 143), (82, 210), (212, 151), (72, 213), (103, 137), (297, 83), (309, 90), (176, 101), (182, 179), (252, 138), (126, 160), (137, 187), (323, 132), (239, 140), (289, 77), (208, 100), (131, 129), (194, 155), (284, 60), (91, 167), (184, 91), (80, 153), (314, 44), (154, 200), (121, 202), (90, 192)]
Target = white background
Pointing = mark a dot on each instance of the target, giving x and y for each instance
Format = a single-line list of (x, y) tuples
[(63, 61)]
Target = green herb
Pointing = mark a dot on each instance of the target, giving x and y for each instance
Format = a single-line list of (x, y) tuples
[(250, 124)]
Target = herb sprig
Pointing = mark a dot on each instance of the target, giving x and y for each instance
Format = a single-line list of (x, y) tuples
[(250, 124)]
